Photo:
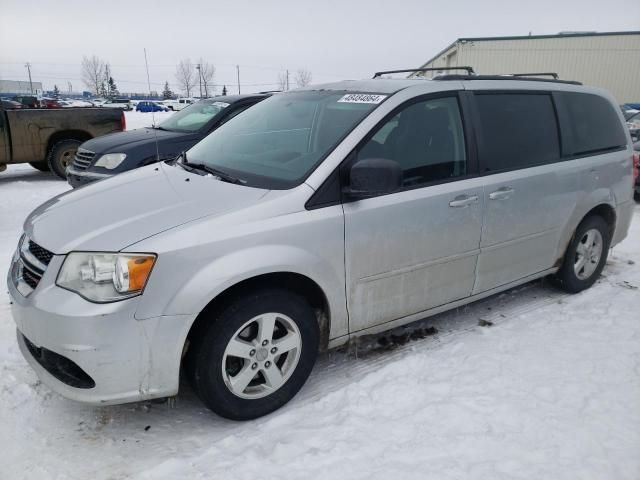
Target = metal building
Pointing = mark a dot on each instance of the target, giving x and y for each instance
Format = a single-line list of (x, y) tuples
[(18, 87), (609, 60)]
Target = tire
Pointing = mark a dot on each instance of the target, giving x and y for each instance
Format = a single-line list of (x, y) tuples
[(636, 196), (237, 326), (584, 260), (42, 166), (62, 155)]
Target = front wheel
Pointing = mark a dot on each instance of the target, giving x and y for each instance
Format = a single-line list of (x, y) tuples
[(62, 155), (255, 355), (586, 255)]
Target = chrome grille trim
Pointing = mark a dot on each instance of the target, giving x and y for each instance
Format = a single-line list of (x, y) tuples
[(29, 265), (83, 159)]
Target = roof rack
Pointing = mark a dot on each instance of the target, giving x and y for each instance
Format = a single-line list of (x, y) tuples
[(542, 74), (504, 77), (469, 70)]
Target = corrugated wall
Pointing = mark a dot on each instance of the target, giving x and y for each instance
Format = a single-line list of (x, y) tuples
[(611, 62)]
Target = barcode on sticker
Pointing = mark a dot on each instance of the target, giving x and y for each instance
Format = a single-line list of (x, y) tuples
[(362, 98)]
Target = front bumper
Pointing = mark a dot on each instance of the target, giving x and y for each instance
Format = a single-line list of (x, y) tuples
[(125, 359), (77, 178)]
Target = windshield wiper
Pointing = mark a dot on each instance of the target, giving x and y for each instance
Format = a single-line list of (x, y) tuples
[(222, 175)]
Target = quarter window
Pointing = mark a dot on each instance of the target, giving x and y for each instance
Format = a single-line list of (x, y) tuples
[(593, 125), (516, 131), (427, 140)]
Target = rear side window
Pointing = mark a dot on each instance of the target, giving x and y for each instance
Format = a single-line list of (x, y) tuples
[(516, 130), (590, 125)]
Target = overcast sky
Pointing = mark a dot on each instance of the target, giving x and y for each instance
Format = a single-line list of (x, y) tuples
[(333, 39)]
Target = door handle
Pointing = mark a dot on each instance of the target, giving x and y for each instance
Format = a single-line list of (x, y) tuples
[(463, 201), (501, 194)]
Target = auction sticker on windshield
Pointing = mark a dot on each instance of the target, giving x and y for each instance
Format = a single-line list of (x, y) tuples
[(362, 98)]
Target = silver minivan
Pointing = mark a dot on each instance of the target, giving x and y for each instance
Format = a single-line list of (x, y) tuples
[(317, 216)]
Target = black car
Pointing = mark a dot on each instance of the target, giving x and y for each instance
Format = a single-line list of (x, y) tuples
[(109, 155)]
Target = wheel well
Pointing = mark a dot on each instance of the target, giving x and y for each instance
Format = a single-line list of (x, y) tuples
[(67, 135), (293, 282), (606, 212)]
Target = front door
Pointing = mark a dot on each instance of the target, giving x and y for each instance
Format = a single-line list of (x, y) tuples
[(416, 248)]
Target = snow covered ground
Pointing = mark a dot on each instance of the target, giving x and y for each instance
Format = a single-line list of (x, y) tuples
[(551, 390)]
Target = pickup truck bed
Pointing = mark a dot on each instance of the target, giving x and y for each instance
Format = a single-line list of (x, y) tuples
[(48, 138)]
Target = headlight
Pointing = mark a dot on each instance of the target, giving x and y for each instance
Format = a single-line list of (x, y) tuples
[(106, 277), (110, 160)]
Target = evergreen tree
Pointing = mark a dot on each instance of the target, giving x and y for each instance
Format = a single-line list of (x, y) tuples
[(224, 90), (113, 89), (56, 92), (102, 91), (167, 93)]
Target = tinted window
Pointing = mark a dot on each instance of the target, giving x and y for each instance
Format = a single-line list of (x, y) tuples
[(425, 138), (516, 131), (593, 124)]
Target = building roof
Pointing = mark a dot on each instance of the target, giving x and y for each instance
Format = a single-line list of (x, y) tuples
[(529, 37)]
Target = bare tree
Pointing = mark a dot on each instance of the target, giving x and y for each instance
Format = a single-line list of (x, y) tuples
[(208, 72), (185, 75), (93, 73), (303, 77), (282, 81)]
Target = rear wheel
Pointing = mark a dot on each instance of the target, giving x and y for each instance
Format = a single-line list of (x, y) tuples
[(586, 255), (42, 166), (61, 156), (256, 355)]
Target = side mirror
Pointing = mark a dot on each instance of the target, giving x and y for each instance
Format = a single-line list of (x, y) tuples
[(374, 176)]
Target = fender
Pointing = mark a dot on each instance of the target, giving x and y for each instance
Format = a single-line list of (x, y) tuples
[(224, 272)]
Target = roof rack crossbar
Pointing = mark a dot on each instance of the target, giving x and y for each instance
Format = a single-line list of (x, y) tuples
[(540, 74), (469, 70)]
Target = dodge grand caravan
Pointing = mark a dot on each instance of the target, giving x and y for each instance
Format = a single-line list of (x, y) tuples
[(317, 216)]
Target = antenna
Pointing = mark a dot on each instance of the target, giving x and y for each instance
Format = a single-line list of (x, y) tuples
[(153, 114)]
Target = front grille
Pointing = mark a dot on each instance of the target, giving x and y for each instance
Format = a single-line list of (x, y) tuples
[(83, 159), (40, 253), (32, 264), (30, 277)]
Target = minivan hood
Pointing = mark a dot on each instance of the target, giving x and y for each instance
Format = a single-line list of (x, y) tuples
[(114, 213)]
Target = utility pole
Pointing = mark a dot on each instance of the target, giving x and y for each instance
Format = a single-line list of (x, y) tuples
[(199, 77), (287, 88), (28, 65), (238, 72)]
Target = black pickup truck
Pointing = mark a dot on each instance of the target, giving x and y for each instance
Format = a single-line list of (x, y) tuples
[(47, 139)]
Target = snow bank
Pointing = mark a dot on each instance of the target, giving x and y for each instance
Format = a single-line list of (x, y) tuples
[(550, 391)]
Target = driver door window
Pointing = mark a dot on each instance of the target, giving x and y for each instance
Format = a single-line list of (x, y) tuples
[(427, 140)]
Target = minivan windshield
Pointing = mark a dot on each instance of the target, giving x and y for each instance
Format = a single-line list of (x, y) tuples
[(278, 142), (193, 117)]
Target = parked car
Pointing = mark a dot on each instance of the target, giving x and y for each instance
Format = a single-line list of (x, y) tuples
[(10, 104), (110, 155), (27, 101), (48, 138), (633, 122), (50, 103), (178, 104), (122, 103), (149, 106), (316, 216)]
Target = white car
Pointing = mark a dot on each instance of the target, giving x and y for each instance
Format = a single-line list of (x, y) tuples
[(178, 104), (122, 103)]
